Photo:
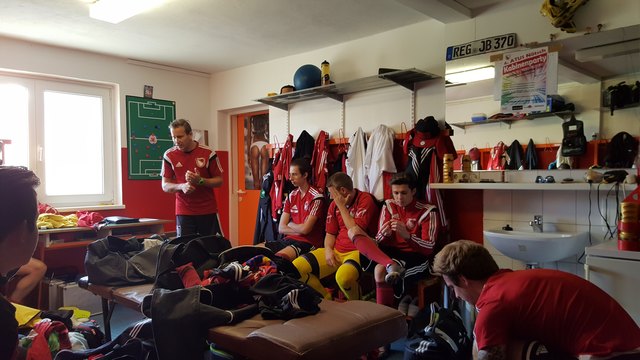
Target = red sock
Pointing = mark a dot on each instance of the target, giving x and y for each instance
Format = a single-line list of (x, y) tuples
[(370, 249), (384, 294)]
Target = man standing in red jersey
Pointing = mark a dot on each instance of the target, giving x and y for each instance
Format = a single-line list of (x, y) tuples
[(191, 171)]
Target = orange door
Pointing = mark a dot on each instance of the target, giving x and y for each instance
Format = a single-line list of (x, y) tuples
[(252, 137)]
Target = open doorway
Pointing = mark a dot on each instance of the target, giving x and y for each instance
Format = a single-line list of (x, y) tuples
[(251, 159)]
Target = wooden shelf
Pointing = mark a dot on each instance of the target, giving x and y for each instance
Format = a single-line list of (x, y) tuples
[(405, 78), (510, 120)]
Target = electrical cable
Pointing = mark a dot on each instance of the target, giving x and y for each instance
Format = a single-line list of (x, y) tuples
[(589, 226)]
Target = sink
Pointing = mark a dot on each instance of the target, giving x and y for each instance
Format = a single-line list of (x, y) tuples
[(534, 247)]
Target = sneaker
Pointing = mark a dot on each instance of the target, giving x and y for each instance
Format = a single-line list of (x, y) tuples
[(403, 305), (395, 270)]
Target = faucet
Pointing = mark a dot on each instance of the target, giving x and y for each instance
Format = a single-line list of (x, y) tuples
[(536, 223)]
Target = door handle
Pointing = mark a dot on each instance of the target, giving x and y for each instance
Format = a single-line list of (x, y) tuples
[(240, 192)]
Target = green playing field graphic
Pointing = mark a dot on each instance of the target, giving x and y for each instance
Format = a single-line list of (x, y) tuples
[(148, 135)]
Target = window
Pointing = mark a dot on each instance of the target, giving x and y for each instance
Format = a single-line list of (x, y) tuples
[(66, 133)]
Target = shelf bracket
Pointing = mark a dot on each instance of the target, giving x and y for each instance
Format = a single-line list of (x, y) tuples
[(337, 97), (279, 105), (405, 84), (342, 122), (284, 107), (413, 108)]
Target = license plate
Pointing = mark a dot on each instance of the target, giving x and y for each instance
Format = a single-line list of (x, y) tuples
[(482, 46)]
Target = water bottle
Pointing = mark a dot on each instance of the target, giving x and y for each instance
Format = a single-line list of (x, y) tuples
[(325, 68)]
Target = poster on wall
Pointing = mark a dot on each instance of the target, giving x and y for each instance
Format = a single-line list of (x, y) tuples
[(256, 154), (524, 82), (148, 135)]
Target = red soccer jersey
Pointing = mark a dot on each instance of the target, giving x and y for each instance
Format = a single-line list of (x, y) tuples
[(363, 210), (205, 161), (561, 310), (300, 208), (422, 223)]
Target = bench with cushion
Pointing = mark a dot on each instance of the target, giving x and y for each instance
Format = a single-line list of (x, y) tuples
[(339, 331)]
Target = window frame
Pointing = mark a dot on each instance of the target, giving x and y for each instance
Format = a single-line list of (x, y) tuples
[(111, 196)]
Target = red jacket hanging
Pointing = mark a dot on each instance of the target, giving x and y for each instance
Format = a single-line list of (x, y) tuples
[(319, 161), (281, 163)]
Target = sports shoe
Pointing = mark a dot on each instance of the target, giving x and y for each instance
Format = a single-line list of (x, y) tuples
[(395, 270), (403, 305)]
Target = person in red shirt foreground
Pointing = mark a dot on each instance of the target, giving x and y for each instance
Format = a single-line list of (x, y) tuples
[(536, 314)]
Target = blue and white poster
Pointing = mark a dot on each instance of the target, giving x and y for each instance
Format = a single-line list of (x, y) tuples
[(524, 82)]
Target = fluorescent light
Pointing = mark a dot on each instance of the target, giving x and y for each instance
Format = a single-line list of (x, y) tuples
[(607, 51), (115, 11), (483, 73)]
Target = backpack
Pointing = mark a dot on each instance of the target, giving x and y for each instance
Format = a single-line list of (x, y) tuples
[(445, 338), (621, 151), (574, 142), (619, 95)]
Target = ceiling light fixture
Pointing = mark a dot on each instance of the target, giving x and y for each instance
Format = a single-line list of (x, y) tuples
[(467, 76), (608, 51), (115, 11)]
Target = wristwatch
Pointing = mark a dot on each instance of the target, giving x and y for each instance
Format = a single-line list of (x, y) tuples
[(201, 181)]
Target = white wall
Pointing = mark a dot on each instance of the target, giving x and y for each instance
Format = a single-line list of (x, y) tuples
[(189, 91), (414, 46)]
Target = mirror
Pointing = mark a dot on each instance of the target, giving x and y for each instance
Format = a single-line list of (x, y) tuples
[(586, 63)]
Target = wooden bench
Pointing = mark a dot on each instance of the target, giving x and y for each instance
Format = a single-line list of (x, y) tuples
[(339, 331)]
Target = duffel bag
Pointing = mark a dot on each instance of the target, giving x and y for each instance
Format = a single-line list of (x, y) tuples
[(444, 338), (201, 251), (113, 261)]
